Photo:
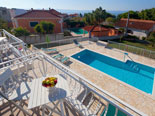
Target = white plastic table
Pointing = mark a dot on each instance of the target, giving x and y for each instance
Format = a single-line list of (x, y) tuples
[(40, 95)]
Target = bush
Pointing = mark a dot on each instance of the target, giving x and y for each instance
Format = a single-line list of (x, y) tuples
[(131, 37), (121, 30), (21, 32), (151, 38), (44, 27), (67, 33), (143, 38)]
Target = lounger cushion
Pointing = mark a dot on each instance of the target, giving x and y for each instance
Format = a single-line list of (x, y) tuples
[(64, 59)]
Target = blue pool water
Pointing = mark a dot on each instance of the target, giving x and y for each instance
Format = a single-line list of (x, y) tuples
[(132, 73)]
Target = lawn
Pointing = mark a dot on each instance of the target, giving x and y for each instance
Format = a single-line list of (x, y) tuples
[(145, 51)]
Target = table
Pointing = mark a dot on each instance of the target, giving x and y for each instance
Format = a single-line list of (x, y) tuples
[(40, 96)]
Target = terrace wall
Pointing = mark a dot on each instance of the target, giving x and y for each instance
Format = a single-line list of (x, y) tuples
[(33, 39)]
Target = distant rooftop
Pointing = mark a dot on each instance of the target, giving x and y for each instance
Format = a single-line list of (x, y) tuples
[(136, 24), (51, 13)]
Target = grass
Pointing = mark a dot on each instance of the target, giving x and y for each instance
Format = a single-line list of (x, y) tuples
[(144, 45), (140, 45)]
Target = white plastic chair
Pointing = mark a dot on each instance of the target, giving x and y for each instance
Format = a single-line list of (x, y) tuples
[(11, 89), (79, 93)]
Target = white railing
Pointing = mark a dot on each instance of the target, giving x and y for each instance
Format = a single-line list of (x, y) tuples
[(129, 110), (12, 36), (11, 39), (58, 43), (132, 49)]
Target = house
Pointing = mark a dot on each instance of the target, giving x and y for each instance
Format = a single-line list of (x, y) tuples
[(14, 12), (73, 15), (53, 11), (99, 31), (31, 18), (5, 14), (140, 28)]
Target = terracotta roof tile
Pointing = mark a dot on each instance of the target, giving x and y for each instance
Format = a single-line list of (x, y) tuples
[(96, 28), (53, 11), (38, 14), (74, 15), (136, 24)]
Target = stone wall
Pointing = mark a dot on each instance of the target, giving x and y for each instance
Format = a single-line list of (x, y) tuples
[(33, 39)]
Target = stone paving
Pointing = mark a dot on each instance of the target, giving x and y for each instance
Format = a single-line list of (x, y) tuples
[(136, 98)]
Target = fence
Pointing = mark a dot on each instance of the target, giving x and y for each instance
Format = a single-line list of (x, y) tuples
[(132, 49), (65, 42)]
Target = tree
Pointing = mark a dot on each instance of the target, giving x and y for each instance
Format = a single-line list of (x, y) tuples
[(74, 22), (81, 15), (3, 24), (151, 38), (96, 17), (147, 14), (133, 15), (38, 29), (47, 27), (21, 32), (44, 28), (121, 30), (111, 20)]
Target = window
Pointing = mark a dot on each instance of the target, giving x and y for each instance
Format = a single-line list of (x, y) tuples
[(131, 23), (33, 24)]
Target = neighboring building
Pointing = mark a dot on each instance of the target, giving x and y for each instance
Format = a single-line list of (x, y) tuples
[(5, 14), (9, 14), (73, 15), (15, 12), (99, 31), (31, 18), (139, 27)]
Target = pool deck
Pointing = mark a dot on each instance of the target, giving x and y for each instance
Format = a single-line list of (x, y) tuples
[(83, 35), (136, 98)]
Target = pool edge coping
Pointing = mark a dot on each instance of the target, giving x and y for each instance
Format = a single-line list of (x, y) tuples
[(120, 82)]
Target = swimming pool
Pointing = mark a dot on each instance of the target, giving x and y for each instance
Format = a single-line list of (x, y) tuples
[(132, 73), (79, 31)]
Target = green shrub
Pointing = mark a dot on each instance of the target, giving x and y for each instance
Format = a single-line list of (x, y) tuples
[(21, 32), (67, 33), (143, 38), (44, 27), (151, 38)]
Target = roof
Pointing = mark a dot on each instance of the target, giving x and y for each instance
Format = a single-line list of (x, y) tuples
[(96, 28), (53, 11), (136, 24), (74, 15), (38, 14)]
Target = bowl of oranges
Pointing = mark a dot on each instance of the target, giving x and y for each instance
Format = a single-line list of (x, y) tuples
[(50, 83)]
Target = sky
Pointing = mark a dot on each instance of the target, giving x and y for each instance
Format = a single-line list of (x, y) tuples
[(112, 5)]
